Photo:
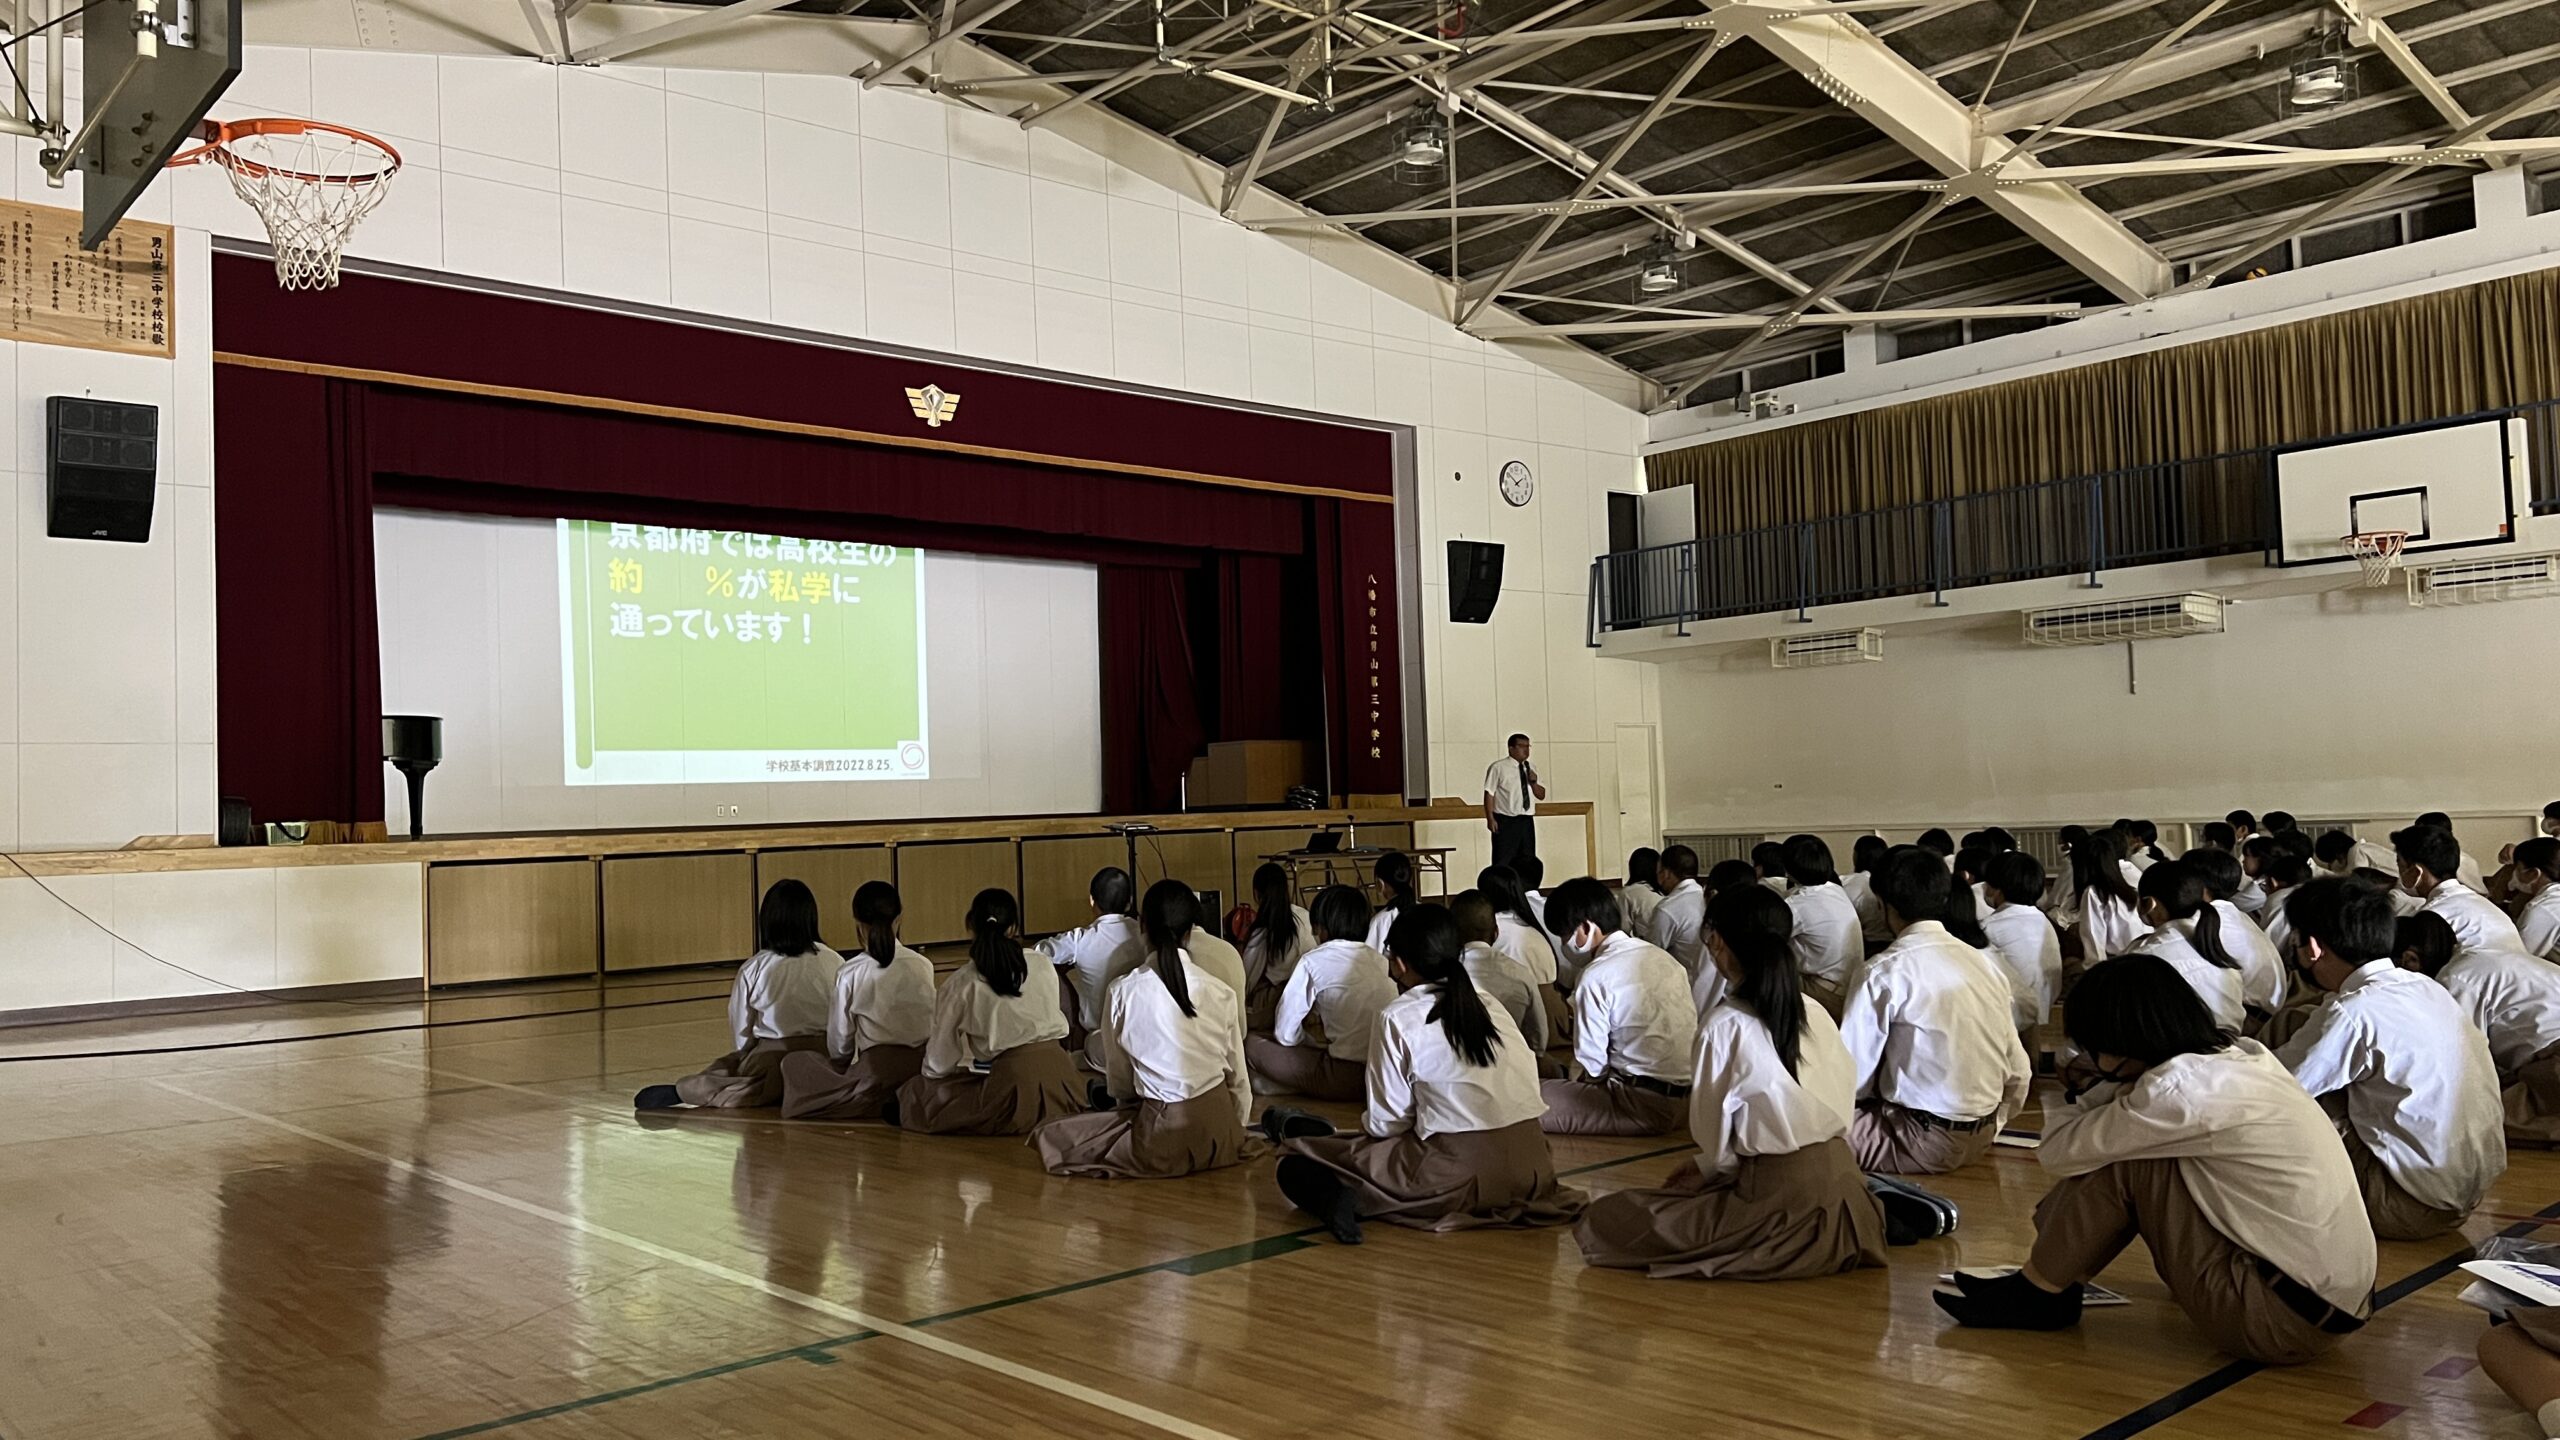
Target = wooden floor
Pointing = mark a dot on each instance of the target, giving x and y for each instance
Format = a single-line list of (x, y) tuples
[(465, 1231)]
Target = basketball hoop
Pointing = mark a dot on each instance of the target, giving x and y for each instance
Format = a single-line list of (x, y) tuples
[(309, 181), (2378, 551)]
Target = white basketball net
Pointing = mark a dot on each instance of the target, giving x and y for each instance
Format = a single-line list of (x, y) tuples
[(2378, 551), (310, 187)]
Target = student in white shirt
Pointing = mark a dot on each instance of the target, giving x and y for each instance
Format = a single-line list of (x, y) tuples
[(1635, 1025), (777, 1004), (1938, 1064), (1278, 938), (1450, 1136), (2141, 843), (1865, 854), (2423, 1123), (2022, 939), (1638, 896), (2533, 880), (2102, 882), (1533, 876), (2429, 856), (1773, 1193), (2203, 1147), (1087, 957), (1829, 942), (2218, 835), (1517, 933), (1506, 983), (2262, 970), (1320, 1037), (2466, 869), (1394, 874), (2061, 902), (2251, 897), (2514, 1000), (2244, 826), (877, 1023), (1769, 863), (2186, 931), (1678, 922), (997, 1062), (1175, 1065), (1939, 843)]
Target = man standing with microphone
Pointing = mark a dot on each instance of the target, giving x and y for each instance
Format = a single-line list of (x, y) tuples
[(1511, 796)]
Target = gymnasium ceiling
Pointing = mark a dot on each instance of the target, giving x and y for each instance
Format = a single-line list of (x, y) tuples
[(1890, 158)]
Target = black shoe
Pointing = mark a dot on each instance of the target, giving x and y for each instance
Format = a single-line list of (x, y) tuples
[(1911, 1214), (1281, 1122), (657, 1097), (2009, 1302), (1097, 1096), (889, 1112), (1318, 1191)]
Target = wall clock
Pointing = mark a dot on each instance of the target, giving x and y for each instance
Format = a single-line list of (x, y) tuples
[(1518, 486)]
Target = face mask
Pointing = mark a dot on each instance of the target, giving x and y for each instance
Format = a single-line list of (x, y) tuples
[(1576, 949)]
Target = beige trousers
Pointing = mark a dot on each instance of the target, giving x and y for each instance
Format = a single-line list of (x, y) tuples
[(1890, 1140)]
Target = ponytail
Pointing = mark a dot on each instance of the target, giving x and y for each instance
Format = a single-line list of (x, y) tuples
[(1501, 885), (1167, 915), (2097, 864), (1756, 926), (1395, 872), (876, 909), (2180, 890), (993, 915), (1275, 918), (1962, 918), (1424, 940)]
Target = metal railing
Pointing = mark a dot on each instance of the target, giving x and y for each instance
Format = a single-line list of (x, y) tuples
[(2145, 515)]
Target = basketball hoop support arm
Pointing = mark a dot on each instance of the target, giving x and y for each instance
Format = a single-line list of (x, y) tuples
[(146, 47)]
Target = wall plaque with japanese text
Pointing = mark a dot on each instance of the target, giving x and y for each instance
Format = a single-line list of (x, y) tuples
[(116, 297)]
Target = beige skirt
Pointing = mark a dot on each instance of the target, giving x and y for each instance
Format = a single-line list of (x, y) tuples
[(1025, 1086), (2533, 1101), (1777, 1217), (817, 1088), (1458, 1181), (1611, 1105), (1308, 1070), (1559, 1017), (1150, 1140), (746, 1079)]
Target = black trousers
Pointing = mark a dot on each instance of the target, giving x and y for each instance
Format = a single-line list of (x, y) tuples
[(1513, 837)]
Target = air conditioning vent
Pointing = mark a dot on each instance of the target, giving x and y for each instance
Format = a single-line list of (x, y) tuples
[(2157, 617), (2466, 582), (1831, 647), (1770, 405)]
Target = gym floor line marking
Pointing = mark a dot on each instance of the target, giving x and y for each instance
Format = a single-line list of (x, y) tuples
[(1100, 1400), (2196, 1392)]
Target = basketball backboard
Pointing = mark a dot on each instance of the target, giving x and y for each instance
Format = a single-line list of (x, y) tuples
[(148, 72), (2446, 486)]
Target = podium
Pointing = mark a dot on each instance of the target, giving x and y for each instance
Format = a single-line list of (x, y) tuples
[(1239, 773)]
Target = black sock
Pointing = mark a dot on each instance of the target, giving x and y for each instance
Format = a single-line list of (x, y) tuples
[(657, 1097), (2010, 1302), (1282, 1122), (1317, 1190)]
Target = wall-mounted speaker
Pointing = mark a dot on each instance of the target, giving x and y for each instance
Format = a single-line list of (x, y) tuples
[(102, 468), (1475, 580)]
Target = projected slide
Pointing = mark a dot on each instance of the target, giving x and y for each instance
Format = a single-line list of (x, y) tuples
[(721, 656)]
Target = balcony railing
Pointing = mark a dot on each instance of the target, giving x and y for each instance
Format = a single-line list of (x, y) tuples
[(2084, 525)]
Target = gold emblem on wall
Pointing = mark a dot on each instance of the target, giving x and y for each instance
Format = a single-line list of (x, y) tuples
[(933, 405)]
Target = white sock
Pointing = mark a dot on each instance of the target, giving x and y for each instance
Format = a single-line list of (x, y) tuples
[(2549, 1416)]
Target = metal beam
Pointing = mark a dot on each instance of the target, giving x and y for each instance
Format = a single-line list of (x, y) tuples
[(1682, 324), (1144, 70), (2367, 29), (674, 30), (950, 30), (545, 28)]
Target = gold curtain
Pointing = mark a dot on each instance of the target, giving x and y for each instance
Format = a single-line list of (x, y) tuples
[(2480, 347)]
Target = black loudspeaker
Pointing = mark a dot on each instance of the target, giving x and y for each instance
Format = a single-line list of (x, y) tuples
[(102, 467), (1475, 580)]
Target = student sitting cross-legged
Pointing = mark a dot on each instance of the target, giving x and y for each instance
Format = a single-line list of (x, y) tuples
[(1450, 1138), (1829, 943), (997, 1063), (1504, 980), (1278, 938), (2022, 938), (2430, 861), (2186, 931), (777, 1004), (1173, 1058), (1773, 1192), (1086, 957), (2262, 969), (2396, 1060), (2202, 1146), (1320, 1037), (2533, 881), (1931, 1034), (1635, 1024), (2513, 999), (876, 1028)]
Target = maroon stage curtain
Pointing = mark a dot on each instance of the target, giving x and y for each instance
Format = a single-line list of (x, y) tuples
[(1151, 722)]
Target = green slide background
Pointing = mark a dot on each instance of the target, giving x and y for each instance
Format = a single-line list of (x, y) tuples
[(843, 676)]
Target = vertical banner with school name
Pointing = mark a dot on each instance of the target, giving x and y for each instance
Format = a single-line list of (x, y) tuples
[(1368, 718), (117, 297)]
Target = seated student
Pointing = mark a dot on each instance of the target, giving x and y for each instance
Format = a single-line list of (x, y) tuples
[(1769, 861), (2218, 835), (1174, 1062), (1451, 1131), (1682, 914), (2142, 843), (1865, 855), (1938, 1064), (2244, 827), (1725, 875), (1971, 862), (1773, 1193), (2022, 939), (2262, 969), (1829, 943), (877, 1025), (2534, 880), (1320, 1036), (1638, 896), (2423, 1123), (1635, 1022), (2428, 857), (997, 1063), (777, 1004), (1517, 933), (2499, 886), (2201, 1146), (2277, 822), (1504, 981), (1533, 879), (2061, 900), (1706, 987), (1394, 874), (1273, 945), (1086, 956), (2108, 904), (2251, 897), (1939, 843), (2514, 1000), (1998, 840), (2186, 932), (2467, 870)]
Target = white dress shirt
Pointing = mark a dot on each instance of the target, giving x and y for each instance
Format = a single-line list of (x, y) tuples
[(2420, 1087), (1341, 985), (2369, 855), (1679, 926), (2261, 968), (1263, 968), (878, 1004), (1743, 1102), (776, 997), (1632, 1013), (1380, 922), (1419, 1082), (2218, 988), (2279, 925), (1508, 985), (1158, 1053), (1930, 1029), (2259, 1157), (1828, 940), (2513, 998), (1860, 887), (1529, 948), (2108, 927), (2466, 870), (1637, 900), (1510, 797), (1094, 953), (2250, 898), (2030, 950), (2538, 924), (972, 1024), (2478, 923)]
